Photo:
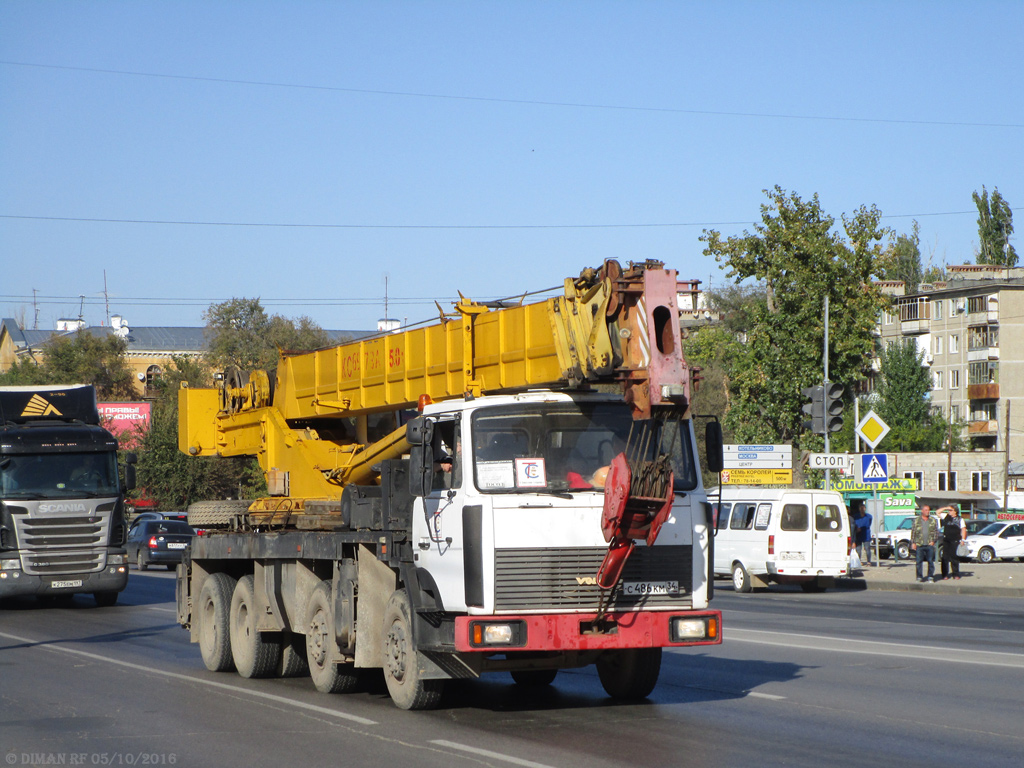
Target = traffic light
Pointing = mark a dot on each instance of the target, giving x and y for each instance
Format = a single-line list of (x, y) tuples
[(815, 409), (833, 407)]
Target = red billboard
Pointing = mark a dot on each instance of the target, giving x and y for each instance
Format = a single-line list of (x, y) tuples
[(126, 421)]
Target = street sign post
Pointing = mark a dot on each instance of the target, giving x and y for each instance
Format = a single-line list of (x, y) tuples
[(874, 468)]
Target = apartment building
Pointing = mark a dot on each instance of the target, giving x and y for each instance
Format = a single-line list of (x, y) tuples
[(971, 331)]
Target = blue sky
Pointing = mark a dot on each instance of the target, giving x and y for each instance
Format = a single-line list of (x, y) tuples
[(304, 152)]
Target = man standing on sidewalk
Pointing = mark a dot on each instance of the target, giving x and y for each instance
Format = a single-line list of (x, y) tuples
[(923, 535)]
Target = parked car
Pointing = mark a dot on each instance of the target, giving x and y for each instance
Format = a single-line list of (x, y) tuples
[(163, 542), (975, 526), (1001, 540), (896, 540)]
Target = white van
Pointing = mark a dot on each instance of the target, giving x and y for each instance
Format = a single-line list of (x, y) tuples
[(785, 535)]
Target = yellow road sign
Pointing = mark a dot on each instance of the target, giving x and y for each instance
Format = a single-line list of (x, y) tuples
[(757, 476), (872, 429)]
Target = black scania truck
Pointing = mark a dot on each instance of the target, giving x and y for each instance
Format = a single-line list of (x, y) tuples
[(62, 511)]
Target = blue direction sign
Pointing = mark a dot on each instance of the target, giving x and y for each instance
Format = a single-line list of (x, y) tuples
[(875, 467)]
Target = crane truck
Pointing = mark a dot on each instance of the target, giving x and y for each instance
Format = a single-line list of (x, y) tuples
[(62, 511), (510, 488)]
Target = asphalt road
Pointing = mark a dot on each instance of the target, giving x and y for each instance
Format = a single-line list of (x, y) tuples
[(833, 679)]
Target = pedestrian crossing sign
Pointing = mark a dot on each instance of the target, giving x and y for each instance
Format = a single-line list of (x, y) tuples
[(875, 467)]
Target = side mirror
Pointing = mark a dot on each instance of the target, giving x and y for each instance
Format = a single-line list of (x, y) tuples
[(130, 476), (420, 434), (713, 450)]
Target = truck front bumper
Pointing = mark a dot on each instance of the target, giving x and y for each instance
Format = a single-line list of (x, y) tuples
[(581, 632), (113, 578)]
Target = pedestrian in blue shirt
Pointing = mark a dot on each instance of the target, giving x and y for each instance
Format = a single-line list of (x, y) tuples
[(862, 525)]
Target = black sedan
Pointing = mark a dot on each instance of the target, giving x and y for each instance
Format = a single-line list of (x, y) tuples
[(158, 542)]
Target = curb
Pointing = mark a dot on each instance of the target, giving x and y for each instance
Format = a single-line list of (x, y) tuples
[(938, 588)]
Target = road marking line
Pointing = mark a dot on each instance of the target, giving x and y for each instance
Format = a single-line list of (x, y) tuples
[(769, 696), (488, 753), (876, 648), (187, 678)]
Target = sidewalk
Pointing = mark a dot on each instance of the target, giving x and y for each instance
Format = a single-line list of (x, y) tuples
[(1001, 579)]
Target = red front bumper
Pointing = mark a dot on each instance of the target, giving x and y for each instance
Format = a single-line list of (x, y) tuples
[(571, 632)]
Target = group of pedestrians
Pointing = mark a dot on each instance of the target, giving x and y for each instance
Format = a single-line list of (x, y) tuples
[(924, 538)]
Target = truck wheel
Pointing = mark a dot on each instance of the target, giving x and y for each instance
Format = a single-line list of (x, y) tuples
[(740, 578), (629, 674), (254, 655), (140, 561), (534, 678), (293, 656), (903, 550), (105, 599), (216, 514), (327, 676), (986, 555), (212, 616), (401, 667)]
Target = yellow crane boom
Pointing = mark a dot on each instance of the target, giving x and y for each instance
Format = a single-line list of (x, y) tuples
[(311, 430)]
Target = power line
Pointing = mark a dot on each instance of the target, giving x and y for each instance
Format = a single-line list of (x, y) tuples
[(315, 225), (500, 100)]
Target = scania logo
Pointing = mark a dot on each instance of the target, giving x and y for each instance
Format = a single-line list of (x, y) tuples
[(62, 507), (586, 581)]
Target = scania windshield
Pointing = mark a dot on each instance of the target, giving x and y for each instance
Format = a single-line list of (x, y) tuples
[(59, 475)]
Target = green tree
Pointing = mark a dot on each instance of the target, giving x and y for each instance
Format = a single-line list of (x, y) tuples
[(79, 358), (902, 261), (799, 259), (239, 333), (904, 401), (995, 226)]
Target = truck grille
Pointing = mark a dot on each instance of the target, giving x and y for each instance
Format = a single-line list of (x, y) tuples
[(55, 545), (531, 579)]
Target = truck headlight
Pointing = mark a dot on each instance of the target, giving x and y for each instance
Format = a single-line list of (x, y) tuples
[(117, 559), (497, 633), (10, 565), (686, 628)]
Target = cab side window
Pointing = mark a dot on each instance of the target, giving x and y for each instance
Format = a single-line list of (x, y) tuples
[(723, 516), (794, 517), (742, 517)]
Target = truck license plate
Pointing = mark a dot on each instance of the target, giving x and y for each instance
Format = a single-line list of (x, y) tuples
[(650, 588), (69, 583)]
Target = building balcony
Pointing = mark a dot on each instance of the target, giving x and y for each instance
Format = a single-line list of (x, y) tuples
[(982, 428), (914, 327), (982, 391), (982, 353), (986, 317)]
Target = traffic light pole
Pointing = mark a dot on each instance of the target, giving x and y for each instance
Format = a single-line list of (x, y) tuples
[(828, 472)]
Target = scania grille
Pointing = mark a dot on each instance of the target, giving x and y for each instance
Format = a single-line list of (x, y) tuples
[(62, 543), (563, 579)]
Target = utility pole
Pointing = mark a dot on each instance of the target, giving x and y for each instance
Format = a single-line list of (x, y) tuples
[(1006, 459), (828, 472)]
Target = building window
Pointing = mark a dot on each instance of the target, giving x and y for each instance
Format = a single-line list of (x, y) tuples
[(954, 378), (954, 344), (941, 480), (954, 413), (938, 344), (886, 317), (984, 412), (918, 476), (983, 373), (955, 305), (937, 308), (980, 481), (936, 379)]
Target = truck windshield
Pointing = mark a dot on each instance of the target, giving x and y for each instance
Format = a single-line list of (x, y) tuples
[(568, 446), (59, 475)]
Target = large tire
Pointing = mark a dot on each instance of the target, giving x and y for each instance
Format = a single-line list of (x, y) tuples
[(401, 666), (253, 653), (328, 677), (629, 674), (741, 579), (105, 599), (216, 514), (903, 550), (534, 678), (213, 616), (986, 555), (140, 560)]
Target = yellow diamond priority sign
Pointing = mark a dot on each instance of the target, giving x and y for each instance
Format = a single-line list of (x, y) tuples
[(872, 429)]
